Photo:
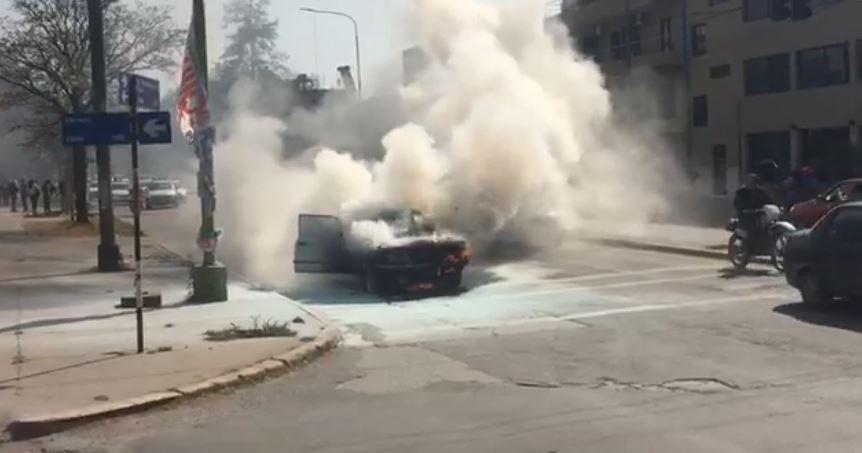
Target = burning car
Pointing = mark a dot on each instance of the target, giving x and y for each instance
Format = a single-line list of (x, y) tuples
[(413, 257)]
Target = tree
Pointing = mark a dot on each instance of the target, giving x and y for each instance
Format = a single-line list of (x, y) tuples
[(45, 59), (251, 50)]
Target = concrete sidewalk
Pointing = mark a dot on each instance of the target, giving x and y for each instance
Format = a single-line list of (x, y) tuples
[(704, 242), (68, 354)]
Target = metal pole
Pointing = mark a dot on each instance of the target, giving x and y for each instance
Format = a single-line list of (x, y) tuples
[(108, 251), (358, 59), (136, 199), (205, 169)]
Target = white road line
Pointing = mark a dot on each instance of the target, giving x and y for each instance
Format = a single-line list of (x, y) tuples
[(462, 330), (564, 290)]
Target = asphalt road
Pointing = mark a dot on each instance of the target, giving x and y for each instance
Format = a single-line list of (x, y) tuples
[(585, 349)]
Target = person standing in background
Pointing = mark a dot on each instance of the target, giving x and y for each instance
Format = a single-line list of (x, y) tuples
[(34, 192), (13, 190), (48, 191), (25, 194)]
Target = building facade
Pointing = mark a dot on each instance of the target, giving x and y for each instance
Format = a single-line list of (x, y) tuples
[(740, 81)]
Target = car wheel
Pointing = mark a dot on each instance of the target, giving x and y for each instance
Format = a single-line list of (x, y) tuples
[(451, 283), (375, 283), (812, 290), (737, 251)]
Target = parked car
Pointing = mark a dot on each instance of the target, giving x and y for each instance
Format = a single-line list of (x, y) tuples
[(418, 259), (807, 213), (160, 194), (121, 192), (825, 262)]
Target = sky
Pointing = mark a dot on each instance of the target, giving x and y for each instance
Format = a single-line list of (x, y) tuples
[(317, 44)]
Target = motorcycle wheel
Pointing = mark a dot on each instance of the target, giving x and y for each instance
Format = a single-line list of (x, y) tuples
[(778, 252), (737, 251)]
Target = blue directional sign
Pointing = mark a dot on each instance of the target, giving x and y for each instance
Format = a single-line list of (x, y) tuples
[(149, 94), (154, 128), (97, 129)]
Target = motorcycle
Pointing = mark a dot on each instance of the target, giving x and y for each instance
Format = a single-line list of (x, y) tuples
[(760, 232)]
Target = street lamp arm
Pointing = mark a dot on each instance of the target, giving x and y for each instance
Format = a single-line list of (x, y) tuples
[(355, 35)]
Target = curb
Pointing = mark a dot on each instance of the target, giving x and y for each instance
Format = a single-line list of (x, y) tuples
[(37, 426), (671, 249)]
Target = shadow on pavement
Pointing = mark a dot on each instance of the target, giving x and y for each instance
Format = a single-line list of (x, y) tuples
[(729, 273), (350, 289), (839, 314)]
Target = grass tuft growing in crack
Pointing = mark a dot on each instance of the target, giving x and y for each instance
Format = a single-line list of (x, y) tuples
[(258, 329)]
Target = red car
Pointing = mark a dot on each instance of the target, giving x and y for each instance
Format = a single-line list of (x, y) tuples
[(807, 213)]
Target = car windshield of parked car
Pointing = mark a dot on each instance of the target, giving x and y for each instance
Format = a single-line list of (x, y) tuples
[(160, 186)]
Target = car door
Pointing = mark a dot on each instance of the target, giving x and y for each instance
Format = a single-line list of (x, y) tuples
[(843, 251), (320, 246)]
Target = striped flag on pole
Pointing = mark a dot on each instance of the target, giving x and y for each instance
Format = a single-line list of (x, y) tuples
[(192, 106)]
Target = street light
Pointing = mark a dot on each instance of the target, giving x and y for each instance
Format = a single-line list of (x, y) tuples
[(355, 35)]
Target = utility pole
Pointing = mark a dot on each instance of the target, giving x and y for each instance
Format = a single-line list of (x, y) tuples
[(210, 279), (108, 252), (686, 64)]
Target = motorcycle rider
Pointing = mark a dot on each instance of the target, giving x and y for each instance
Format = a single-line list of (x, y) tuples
[(749, 202)]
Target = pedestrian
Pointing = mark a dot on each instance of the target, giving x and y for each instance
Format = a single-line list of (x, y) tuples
[(48, 191), (25, 195), (13, 190), (34, 193)]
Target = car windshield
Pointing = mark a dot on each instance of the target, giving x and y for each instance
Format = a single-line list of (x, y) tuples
[(160, 186), (405, 223), (119, 186)]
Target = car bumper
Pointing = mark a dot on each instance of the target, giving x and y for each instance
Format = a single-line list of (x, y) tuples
[(161, 202)]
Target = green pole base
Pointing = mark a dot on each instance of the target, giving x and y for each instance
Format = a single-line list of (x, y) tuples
[(209, 284)]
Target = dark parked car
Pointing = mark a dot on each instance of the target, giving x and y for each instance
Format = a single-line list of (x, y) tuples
[(807, 213), (825, 262), (416, 259)]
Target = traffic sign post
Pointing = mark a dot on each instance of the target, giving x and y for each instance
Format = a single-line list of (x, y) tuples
[(130, 128), (136, 200)]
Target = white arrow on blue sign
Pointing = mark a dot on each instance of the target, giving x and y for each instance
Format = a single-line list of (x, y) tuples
[(154, 128)]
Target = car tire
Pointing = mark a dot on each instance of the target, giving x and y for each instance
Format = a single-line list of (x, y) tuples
[(375, 283), (812, 290), (451, 283)]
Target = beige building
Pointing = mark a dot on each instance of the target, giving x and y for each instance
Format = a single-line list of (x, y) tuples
[(759, 87)]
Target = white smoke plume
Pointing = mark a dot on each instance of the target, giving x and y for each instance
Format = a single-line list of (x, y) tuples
[(508, 132)]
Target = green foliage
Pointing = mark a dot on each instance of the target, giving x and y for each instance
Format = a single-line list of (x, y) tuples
[(45, 56), (251, 49)]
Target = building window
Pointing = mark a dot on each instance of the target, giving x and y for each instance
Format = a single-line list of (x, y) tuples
[(617, 47), (699, 111), (590, 46), (698, 39), (666, 35), (822, 66), (774, 146), (635, 39), (770, 74), (720, 71), (755, 10), (719, 169)]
